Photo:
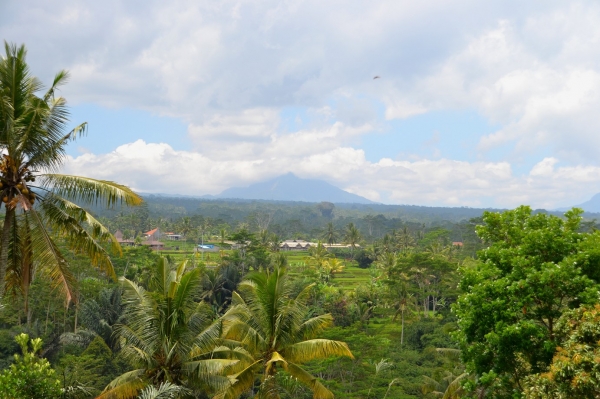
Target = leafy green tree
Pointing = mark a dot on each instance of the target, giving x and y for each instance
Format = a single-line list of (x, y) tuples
[(168, 337), (575, 370), (88, 373), (364, 259), (273, 328), (37, 201), (326, 209), (30, 376), (525, 280)]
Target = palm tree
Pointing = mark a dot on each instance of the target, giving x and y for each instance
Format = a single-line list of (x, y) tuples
[(102, 314), (449, 385), (402, 300), (272, 326), (330, 268), (330, 235), (386, 261), (213, 290), (380, 366), (352, 237), (317, 255), (185, 227), (36, 200), (405, 239), (168, 337)]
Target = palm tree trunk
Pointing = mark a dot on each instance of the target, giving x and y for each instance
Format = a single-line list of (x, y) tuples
[(402, 333), (47, 316), (76, 312), (8, 220)]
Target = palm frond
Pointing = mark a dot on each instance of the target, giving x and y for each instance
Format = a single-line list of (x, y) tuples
[(319, 390), (455, 388), (208, 367), (91, 191), (48, 256), (166, 390), (313, 326), (450, 353), (316, 349), (125, 386), (240, 382), (66, 219)]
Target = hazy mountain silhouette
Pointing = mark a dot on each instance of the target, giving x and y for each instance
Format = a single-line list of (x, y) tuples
[(292, 188), (593, 205)]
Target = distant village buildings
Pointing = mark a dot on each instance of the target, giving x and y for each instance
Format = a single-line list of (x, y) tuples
[(301, 245), (121, 241), (151, 239)]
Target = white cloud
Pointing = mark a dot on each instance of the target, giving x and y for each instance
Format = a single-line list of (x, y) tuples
[(248, 124), (538, 79), (149, 167), (228, 69)]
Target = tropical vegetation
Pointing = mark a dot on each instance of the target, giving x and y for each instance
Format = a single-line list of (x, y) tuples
[(392, 302)]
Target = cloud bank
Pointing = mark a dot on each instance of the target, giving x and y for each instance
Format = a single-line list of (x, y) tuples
[(235, 70)]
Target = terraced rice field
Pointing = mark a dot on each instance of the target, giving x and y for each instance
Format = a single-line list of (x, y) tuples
[(348, 279)]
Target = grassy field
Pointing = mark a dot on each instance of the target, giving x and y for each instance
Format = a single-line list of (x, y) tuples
[(348, 279)]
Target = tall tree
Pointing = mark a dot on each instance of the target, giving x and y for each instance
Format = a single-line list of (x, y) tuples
[(330, 234), (525, 280), (273, 327), (36, 200), (352, 237)]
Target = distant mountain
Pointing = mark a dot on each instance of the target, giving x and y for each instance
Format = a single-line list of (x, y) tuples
[(593, 205), (292, 188)]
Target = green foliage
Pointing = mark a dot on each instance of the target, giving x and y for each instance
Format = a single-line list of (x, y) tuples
[(30, 376), (33, 139), (514, 296), (575, 367), (274, 332), (90, 371), (364, 259), (168, 336)]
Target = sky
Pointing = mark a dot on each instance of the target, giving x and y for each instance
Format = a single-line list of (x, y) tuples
[(480, 104)]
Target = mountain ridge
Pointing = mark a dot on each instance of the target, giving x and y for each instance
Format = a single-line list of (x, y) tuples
[(289, 187)]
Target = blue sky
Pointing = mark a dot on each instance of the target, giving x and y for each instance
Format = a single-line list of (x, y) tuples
[(478, 103)]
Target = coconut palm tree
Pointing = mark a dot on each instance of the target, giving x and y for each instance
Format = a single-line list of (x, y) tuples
[(352, 237), (402, 300), (40, 205), (330, 268), (272, 326), (380, 366), (405, 239), (330, 235), (168, 336), (317, 255)]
